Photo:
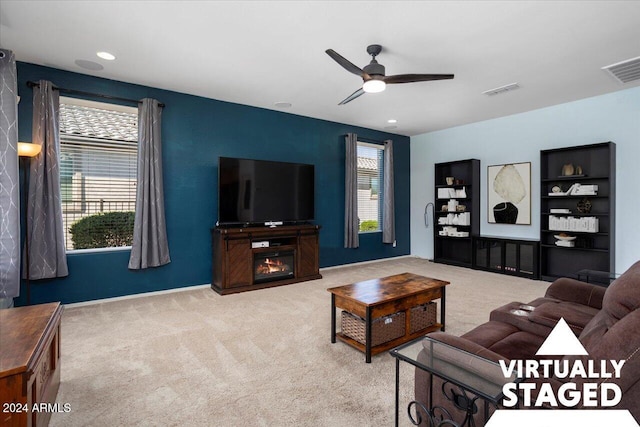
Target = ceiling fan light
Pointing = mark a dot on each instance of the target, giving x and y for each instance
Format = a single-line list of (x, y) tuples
[(374, 86)]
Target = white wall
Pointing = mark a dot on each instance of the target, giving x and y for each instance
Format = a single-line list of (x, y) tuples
[(519, 138)]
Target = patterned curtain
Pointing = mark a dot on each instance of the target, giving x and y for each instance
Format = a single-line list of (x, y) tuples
[(9, 182), (47, 256), (351, 222), (388, 202), (150, 246)]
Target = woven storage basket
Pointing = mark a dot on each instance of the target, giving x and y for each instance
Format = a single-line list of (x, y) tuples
[(383, 329), (423, 316)]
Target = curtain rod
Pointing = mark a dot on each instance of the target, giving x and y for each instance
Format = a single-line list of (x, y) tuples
[(368, 140), (95, 95)]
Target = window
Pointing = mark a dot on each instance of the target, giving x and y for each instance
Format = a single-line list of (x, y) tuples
[(98, 159), (370, 163)]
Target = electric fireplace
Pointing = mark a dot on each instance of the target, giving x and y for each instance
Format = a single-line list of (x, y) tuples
[(269, 266)]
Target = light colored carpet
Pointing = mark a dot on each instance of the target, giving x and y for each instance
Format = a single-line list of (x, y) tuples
[(260, 358)]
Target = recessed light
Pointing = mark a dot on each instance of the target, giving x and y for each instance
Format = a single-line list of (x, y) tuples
[(392, 121), (282, 104), (106, 55)]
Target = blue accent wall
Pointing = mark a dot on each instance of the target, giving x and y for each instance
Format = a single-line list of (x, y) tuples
[(195, 132)]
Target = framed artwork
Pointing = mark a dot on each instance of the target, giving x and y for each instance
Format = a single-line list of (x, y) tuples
[(509, 193)]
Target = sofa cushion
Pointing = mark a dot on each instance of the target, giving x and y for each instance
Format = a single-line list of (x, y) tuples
[(519, 345), (572, 290), (490, 333), (505, 340)]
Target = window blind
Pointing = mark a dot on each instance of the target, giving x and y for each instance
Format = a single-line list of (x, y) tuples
[(370, 163), (98, 161)]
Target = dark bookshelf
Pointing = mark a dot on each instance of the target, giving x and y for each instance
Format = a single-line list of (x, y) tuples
[(449, 249), (592, 250)]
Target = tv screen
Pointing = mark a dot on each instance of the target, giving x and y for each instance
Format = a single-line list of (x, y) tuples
[(259, 191)]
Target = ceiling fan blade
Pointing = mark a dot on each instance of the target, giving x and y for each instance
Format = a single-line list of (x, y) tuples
[(345, 63), (410, 78), (351, 97)]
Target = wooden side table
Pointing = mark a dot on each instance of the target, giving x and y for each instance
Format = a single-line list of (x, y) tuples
[(376, 298)]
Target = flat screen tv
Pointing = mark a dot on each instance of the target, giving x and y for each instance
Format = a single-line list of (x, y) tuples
[(259, 191)]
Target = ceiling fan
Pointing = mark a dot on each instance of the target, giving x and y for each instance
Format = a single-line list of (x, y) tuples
[(373, 77)]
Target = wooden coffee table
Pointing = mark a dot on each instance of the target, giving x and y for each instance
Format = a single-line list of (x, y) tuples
[(376, 298)]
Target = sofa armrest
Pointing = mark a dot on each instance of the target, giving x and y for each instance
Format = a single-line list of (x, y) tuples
[(571, 290), (466, 345)]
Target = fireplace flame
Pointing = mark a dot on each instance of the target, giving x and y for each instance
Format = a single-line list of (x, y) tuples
[(269, 266)]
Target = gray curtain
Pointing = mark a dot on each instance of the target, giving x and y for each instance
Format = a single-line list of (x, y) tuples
[(47, 256), (388, 211), (150, 246), (351, 222), (9, 182)]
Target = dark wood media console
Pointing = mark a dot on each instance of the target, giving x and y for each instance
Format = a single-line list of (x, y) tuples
[(251, 258)]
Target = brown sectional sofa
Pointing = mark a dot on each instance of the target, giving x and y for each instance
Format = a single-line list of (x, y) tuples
[(606, 321)]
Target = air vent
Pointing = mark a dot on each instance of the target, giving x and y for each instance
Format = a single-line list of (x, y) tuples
[(502, 89), (625, 71)]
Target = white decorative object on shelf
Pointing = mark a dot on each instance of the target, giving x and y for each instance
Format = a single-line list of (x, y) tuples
[(560, 211), (464, 218), (587, 224), (584, 190), (461, 218), (565, 238), (449, 231), (565, 193), (452, 193), (577, 190)]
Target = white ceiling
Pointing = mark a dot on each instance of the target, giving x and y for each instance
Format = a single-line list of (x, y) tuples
[(259, 53)]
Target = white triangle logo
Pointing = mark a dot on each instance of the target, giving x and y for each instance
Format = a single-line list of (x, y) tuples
[(561, 342)]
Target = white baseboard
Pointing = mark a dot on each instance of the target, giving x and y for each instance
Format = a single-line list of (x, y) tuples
[(355, 264), (142, 295)]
